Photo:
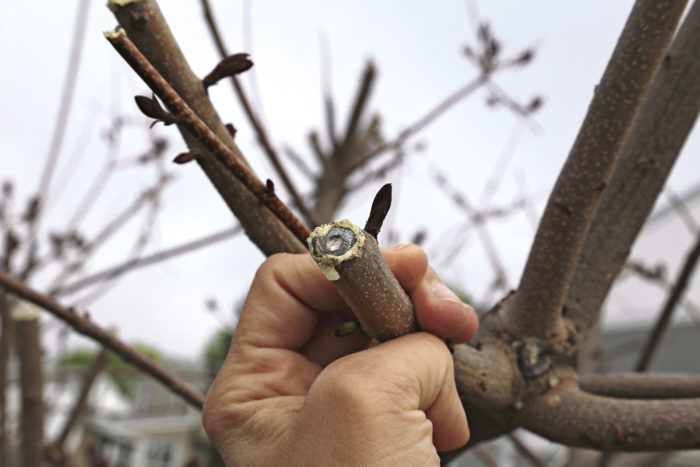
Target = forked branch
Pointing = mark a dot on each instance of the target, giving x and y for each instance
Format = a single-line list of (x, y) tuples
[(642, 386), (658, 134), (537, 308)]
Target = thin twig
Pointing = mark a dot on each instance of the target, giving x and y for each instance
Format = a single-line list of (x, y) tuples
[(63, 114), (84, 326), (135, 263), (208, 138), (88, 381), (525, 450), (263, 138), (664, 318)]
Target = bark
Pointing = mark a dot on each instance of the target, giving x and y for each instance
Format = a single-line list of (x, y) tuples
[(643, 386), (570, 416), (537, 308), (663, 123), (145, 25), (83, 325), (5, 354), (31, 425), (350, 257), (79, 406), (227, 158)]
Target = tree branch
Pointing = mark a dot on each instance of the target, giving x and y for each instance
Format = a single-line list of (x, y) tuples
[(205, 136), (570, 416), (537, 308), (350, 257), (664, 318), (26, 333), (145, 25), (84, 326), (135, 263), (88, 381), (642, 386), (263, 139), (650, 152)]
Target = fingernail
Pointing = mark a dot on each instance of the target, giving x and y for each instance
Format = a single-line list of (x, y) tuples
[(398, 246), (442, 292)]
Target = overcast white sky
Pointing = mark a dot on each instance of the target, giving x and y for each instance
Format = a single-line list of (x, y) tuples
[(417, 48)]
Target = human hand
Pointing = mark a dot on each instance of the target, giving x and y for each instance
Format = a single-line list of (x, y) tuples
[(291, 393)]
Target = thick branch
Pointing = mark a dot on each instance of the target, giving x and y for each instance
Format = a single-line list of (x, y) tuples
[(204, 135), (84, 326), (642, 386), (536, 310), (146, 26), (88, 381), (570, 416), (663, 123)]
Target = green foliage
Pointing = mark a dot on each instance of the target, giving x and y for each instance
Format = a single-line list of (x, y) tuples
[(122, 374), (216, 350)]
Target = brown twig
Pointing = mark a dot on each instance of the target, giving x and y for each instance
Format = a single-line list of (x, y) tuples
[(537, 308), (193, 123), (63, 114), (135, 263), (79, 405), (263, 138), (672, 300), (642, 386), (84, 326), (525, 450), (147, 28)]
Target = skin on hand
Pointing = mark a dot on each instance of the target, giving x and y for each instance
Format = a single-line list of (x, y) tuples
[(291, 393)]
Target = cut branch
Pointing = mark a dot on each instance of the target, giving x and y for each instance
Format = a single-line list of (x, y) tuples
[(351, 259), (570, 416), (537, 308), (31, 375), (205, 136), (145, 25), (642, 386), (84, 326), (663, 123)]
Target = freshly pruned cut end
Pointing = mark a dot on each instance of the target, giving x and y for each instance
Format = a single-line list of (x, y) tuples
[(350, 257), (331, 244)]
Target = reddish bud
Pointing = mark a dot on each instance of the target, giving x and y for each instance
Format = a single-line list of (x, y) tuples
[(184, 158), (150, 107), (379, 210), (231, 130), (229, 66)]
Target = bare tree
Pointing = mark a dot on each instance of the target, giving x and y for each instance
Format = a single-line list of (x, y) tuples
[(521, 369)]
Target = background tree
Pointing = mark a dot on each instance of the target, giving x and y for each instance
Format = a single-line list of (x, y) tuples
[(521, 368)]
